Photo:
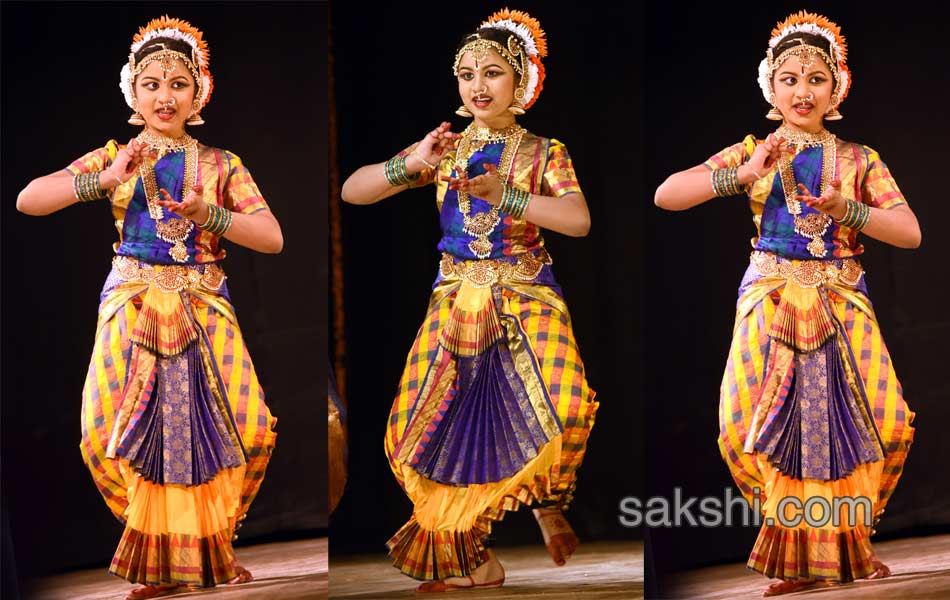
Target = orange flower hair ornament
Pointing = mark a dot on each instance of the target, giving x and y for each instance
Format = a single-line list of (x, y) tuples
[(816, 25), (196, 60), (524, 50)]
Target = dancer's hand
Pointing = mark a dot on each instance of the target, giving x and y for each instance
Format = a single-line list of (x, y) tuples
[(432, 147), (192, 207), (767, 154), (125, 164), (486, 186), (831, 202)]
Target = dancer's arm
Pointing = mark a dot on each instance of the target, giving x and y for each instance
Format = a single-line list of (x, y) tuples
[(258, 231), (50, 193), (689, 188), (368, 185), (567, 214), (896, 225)]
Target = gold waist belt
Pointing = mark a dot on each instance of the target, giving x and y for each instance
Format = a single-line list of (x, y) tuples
[(809, 273), (486, 273), (170, 278)]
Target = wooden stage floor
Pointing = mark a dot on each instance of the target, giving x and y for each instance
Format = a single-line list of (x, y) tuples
[(920, 570), (598, 570), (285, 570)]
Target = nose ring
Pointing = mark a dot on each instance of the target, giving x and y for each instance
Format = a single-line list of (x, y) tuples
[(167, 103)]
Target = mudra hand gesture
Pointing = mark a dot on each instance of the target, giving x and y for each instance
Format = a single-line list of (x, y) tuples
[(486, 186), (831, 202), (192, 207), (766, 154), (435, 144), (126, 163)]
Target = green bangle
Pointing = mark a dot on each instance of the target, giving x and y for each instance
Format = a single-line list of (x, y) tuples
[(853, 215), (396, 172), (865, 216), (218, 222), (856, 215), (717, 180), (209, 222), (725, 182), (76, 188), (734, 181), (514, 201), (718, 177), (86, 187), (851, 220)]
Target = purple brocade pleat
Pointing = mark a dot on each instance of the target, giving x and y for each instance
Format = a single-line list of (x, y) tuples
[(819, 432), (181, 437), (490, 430)]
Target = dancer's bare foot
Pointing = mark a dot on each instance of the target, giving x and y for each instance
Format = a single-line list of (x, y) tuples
[(489, 575), (153, 591), (782, 586), (880, 570), (560, 539), (241, 575)]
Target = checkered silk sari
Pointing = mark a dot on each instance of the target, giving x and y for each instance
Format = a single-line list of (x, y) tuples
[(175, 430), (811, 412), (493, 409)]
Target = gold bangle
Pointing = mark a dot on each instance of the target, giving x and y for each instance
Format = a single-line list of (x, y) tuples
[(118, 180), (427, 163)]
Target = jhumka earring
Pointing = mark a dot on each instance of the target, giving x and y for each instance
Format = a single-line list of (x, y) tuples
[(136, 118), (517, 106), (195, 117), (463, 112), (774, 113), (833, 114)]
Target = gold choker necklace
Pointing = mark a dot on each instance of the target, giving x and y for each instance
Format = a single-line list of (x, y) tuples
[(163, 144), (487, 134), (803, 139)]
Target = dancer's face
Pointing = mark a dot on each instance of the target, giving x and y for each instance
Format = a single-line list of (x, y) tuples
[(803, 92), (487, 89), (164, 98)]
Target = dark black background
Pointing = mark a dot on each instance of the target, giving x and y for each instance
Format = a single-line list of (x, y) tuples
[(635, 94), (60, 99), (701, 67), (394, 83)]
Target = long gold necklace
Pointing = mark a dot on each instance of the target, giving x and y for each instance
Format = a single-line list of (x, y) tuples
[(174, 231), (481, 225), (813, 225)]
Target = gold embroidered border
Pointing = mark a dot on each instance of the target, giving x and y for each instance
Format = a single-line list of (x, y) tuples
[(809, 273), (486, 273), (170, 278), (430, 398)]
